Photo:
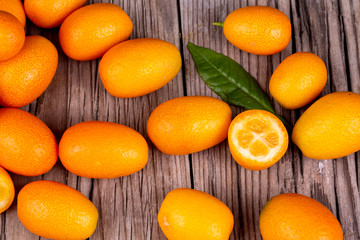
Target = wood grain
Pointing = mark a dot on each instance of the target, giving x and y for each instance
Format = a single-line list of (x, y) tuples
[(128, 206)]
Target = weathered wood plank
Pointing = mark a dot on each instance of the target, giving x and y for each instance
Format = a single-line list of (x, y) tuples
[(349, 12), (127, 206), (213, 170), (45, 107), (314, 23), (347, 211), (316, 179)]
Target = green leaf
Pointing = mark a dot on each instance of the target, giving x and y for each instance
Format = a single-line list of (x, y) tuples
[(230, 81)]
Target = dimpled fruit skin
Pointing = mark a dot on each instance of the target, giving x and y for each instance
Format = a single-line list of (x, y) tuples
[(50, 13), (16, 8), (25, 77), (12, 35), (292, 216), (137, 67), (7, 190), (27, 145), (298, 80), (56, 211), (188, 214), (259, 30), (90, 31), (189, 124), (97, 149), (330, 127)]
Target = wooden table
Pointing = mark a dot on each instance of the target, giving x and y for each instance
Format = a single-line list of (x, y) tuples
[(128, 206)]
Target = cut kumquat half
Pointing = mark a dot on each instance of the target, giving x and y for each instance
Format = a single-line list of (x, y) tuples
[(257, 139), (7, 190)]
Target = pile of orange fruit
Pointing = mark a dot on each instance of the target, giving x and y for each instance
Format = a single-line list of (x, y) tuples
[(330, 128)]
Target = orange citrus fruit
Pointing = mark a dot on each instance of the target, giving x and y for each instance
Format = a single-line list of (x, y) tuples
[(50, 13), (54, 210), (188, 214), (96, 149), (259, 30), (16, 8), (7, 190), (292, 216), (12, 35), (189, 124), (27, 145), (24, 77), (330, 127), (298, 80), (140, 66), (90, 31), (257, 139)]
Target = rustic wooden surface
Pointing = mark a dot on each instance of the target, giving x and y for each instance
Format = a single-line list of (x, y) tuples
[(128, 206)]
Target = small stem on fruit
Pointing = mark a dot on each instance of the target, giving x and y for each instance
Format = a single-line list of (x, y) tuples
[(220, 24)]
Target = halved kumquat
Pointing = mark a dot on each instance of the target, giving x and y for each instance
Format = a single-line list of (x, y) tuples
[(257, 139)]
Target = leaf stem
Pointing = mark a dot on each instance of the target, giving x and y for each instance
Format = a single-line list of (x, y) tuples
[(220, 24), (286, 123)]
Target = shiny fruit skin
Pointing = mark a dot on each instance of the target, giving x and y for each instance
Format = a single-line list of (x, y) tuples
[(24, 77), (12, 35), (260, 30), (50, 13), (189, 124), (188, 214), (140, 66), (16, 8), (56, 211), (265, 130), (27, 145), (7, 190), (330, 127), (298, 80), (292, 216), (90, 31), (97, 149)]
